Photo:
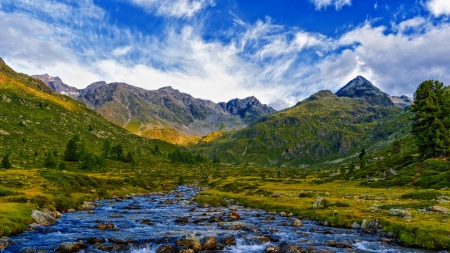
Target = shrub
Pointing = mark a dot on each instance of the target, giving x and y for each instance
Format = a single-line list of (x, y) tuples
[(422, 195)]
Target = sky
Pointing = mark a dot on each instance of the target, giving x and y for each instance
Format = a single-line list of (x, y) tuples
[(280, 51)]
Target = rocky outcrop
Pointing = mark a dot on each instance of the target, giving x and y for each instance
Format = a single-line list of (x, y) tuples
[(364, 89), (43, 219), (401, 101), (56, 84)]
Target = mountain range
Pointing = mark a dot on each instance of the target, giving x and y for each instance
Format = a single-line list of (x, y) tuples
[(166, 113)]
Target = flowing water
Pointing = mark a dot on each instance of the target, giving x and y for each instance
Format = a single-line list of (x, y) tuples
[(159, 228)]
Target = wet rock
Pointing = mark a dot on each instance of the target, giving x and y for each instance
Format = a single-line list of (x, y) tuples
[(88, 206), (228, 240), (115, 215), (364, 224), (399, 212), (166, 249), (286, 247), (297, 223), (106, 247), (71, 210), (56, 214), (283, 214), (43, 219), (133, 206), (438, 209), (271, 217), (117, 241), (373, 226), (106, 225), (5, 242), (272, 249), (200, 220), (189, 241), (261, 239), (344, 244), (91, 212), (356, 225), (26, 250), (236, 225), (233, 208), (209, 242), (234, 216), (320, 203), (68, 247), (275, 238), (95, 241), (185, 250), (183, 219), (147, 221)]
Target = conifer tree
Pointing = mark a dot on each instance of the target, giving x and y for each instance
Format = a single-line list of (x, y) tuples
[(49, 161), (70, 154), (5, 163), (431, 118)]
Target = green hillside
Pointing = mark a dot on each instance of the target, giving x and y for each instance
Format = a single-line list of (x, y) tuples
[(321, 129)]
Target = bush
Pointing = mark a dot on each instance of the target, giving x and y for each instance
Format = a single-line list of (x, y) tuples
[(306, 195), (422, 195)]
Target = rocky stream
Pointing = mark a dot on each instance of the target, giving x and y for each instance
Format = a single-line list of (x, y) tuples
[(172, 222)]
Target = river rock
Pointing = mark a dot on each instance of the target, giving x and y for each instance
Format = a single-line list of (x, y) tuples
[(95, 240), (43, 219), (272, 249), (117, 241), (235, 225), (233, 208), (438, 209), (106, 225), (5, 242), (209, 242), (283, 214), (71, 210), (115, 215), (147, 221), (183, 219), (275, 238), (297, 223), (88, 205), (286, 247), (320, 203), (234, 216), (344, 244), (189, 241), (68, 247), (228, 240), (166, 249), (399, 212), (133, 206), (261, 239), (185, 250), (356, 225)]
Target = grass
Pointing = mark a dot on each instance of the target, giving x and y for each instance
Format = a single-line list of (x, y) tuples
[(423, 229)]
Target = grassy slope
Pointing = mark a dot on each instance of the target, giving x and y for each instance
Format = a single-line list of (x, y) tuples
[(328, 130)]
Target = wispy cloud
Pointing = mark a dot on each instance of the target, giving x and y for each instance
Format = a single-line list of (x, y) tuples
[(175, 8), (323, 4), (439, 7)]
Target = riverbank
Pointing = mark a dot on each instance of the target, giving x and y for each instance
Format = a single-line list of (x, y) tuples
[(408, 216)]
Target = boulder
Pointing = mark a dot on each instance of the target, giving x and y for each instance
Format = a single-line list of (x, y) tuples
[(5, 242), (283, 214), (272, 249), (228, 240), (71, 210), (106, 225), (234, 216), (189, 241), (439, 209), (183, 219), (166, 249), (68, 247), (399, 212), (320, 203), (209, 242), (297, 223), (56, 214), (356, 225), (286, 247), (88, 205), (43, 219), (236, 225), (390, 172)]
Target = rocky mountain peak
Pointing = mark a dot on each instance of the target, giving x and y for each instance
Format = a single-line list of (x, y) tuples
[(56, 84), (362, 88)]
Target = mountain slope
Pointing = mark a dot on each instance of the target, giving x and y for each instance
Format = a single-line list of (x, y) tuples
[(322, 128), (35, 120), (167, 113)]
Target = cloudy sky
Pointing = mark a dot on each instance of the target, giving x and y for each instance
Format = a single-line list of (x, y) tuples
[(280, 51)]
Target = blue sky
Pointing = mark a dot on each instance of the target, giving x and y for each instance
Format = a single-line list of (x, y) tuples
[(279, 51)]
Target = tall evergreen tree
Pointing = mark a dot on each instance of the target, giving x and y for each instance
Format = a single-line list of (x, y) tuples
[(106, 148), (431, 120), (70, 154), (5, 163), (118, 152), (49, 161)]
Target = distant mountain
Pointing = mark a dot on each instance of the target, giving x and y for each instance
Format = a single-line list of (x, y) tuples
[(166, 113), (56, 84), (364, 89), (401, 101), (325, 128)]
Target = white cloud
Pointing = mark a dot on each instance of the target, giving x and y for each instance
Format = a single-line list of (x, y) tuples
[(439, 7), (175, 8), (323, 4), (120, 51)]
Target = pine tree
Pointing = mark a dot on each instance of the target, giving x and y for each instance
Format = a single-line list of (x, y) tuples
[(5, 163), (118, 152), (431, 120), (106, 148), (49, 161), (70, 154), (396, 147)]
